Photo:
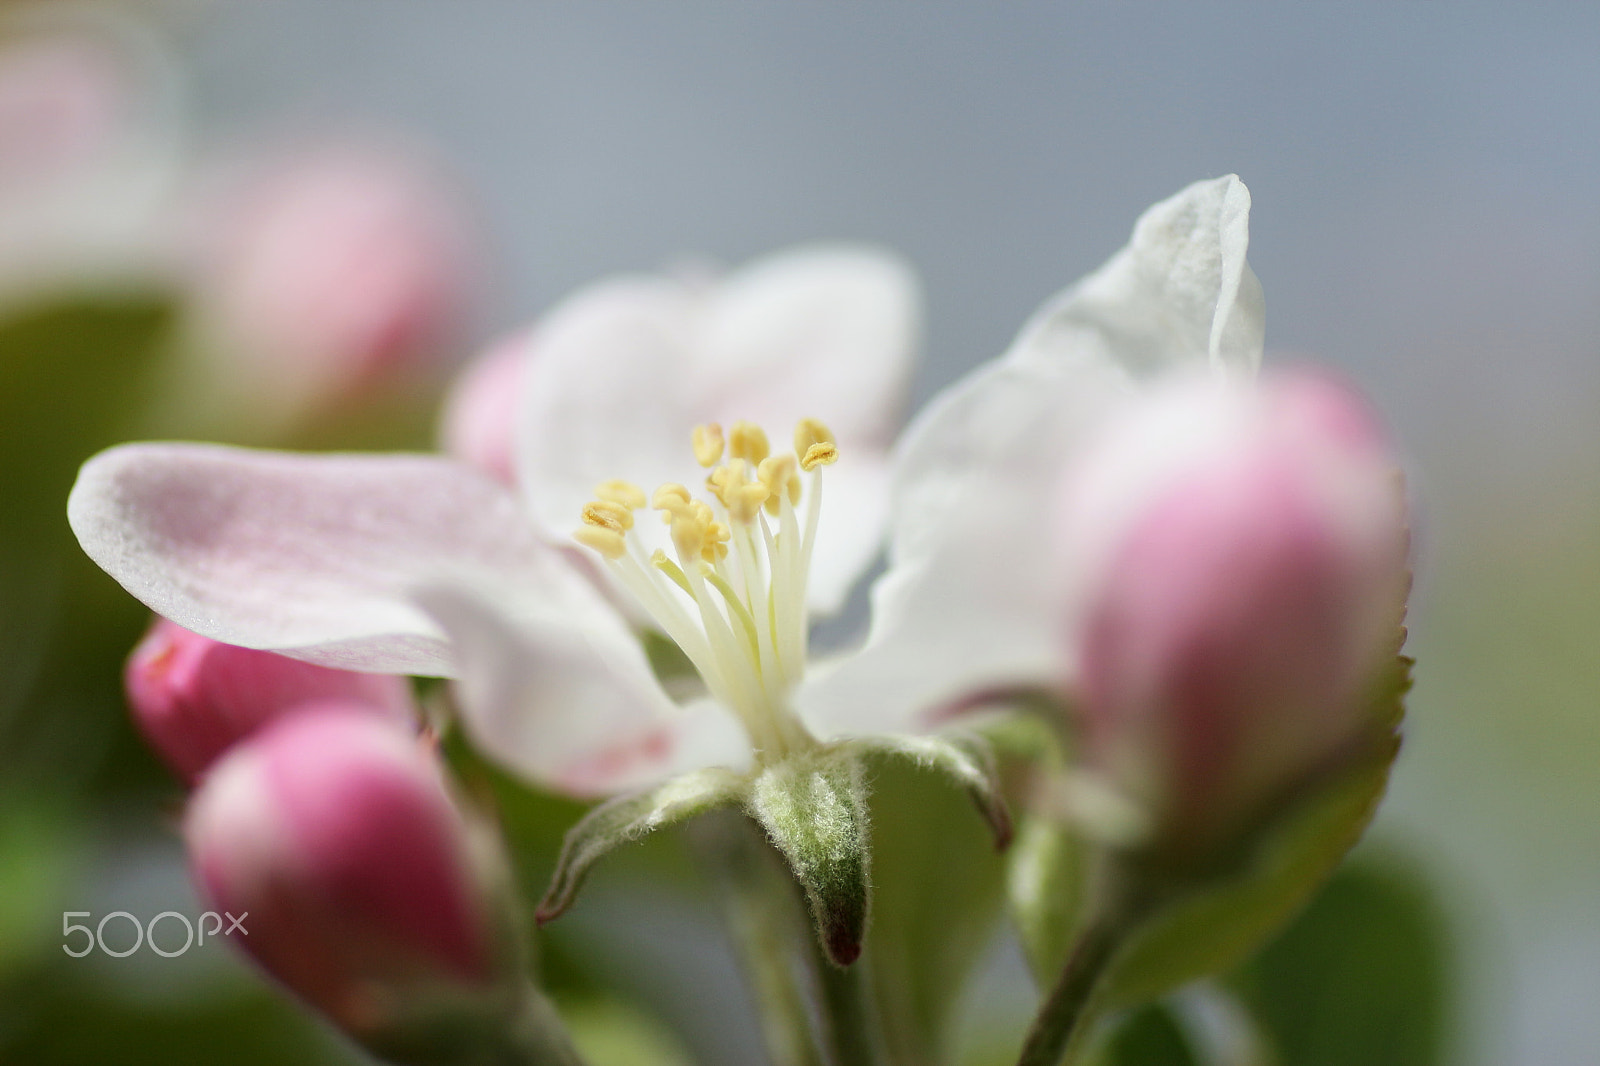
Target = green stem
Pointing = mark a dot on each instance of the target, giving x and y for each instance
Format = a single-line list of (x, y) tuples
[(1065, 1013), (525, 1033), (849, 1022), (758, 898)]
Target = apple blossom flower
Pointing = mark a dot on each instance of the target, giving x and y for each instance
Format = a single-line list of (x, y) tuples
[(194, 697), (421, 565), (332, 834), (1236, 581)]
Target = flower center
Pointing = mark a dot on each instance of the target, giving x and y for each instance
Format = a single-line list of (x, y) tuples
[(732, 593)]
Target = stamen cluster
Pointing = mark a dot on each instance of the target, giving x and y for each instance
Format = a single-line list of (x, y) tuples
[(732, 591)]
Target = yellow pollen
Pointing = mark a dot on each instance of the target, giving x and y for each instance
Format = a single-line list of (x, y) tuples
[(717, 537), (617, 491), (777, 473), (608, 515), (670, 497), (748, 441), (688, 536), (823, 453), (707, 441), (809, 431), (607, 542)]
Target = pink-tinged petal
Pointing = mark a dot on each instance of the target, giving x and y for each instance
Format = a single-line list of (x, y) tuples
[(566, 697), (308, 555), (620, 374), (479, 424), (193, 697), (967, 602)]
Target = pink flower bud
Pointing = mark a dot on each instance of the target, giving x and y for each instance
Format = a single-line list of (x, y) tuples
[(331, 272), (193, 697), (479, 425), (366, 891), (1239, 577)]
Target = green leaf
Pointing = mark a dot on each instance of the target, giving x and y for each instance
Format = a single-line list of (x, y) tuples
[(1217, 924), (1360, 976), (627, 818), (966, 759), (813, 807)]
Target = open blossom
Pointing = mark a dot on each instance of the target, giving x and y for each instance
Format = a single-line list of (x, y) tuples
[(194, 697), (635, 389), (1236, 578), (333, 834)]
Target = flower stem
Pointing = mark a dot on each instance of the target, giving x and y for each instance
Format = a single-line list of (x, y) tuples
[(758, 900), (850, 1023), (1065, 1014)]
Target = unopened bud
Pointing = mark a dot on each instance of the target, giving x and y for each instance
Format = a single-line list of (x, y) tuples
[(1238, 579), (367, 892), (329, 274), (194, 697)]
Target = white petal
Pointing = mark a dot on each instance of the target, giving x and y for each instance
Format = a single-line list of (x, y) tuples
[(1180, 295), (855, 513), (622, 372), (969, 599), (565, 696), (310, 555), (824, 332)]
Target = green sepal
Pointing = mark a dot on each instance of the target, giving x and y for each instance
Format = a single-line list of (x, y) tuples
[(965, 759), (1046, 890), (1217, 923), (813, 807), (627, 818)]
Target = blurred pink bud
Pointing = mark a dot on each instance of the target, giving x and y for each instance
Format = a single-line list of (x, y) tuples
[(479, 425), (59, 107), (194, 698), (1241, 577), (88, 150), (333, 271), (365, 890)]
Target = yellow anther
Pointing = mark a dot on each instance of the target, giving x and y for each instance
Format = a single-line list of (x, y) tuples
[(748, 441), (778, 474), (608, 515), (744, 501), (617, 491), (809, 431), (717, 537), (607, 542), (823, 453), (688, 536), (702, 512), (670, 497), (707, 440)]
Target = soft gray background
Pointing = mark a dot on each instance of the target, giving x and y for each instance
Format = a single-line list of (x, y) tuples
[(1427, 215)]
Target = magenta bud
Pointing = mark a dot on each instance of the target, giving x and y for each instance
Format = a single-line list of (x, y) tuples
[(193, 697), (1239, 580), (368, 892)]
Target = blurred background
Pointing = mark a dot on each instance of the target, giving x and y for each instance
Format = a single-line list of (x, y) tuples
[(1426, 217)]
